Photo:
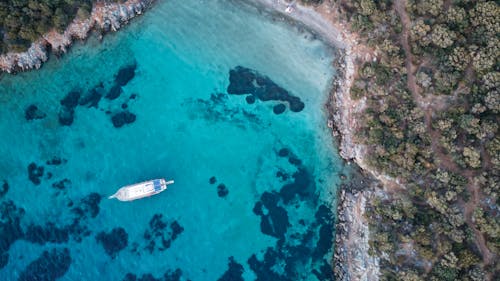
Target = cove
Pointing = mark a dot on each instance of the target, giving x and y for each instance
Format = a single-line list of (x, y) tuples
[(217, 95)]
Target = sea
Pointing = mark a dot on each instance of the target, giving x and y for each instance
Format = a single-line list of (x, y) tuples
[(226, 99)]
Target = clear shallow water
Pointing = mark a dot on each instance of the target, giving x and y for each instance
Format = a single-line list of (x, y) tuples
[(187, 128)]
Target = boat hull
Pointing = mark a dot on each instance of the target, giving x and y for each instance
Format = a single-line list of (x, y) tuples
[(141, 190)]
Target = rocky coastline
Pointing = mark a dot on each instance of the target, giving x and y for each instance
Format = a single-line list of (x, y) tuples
[(105, 17)]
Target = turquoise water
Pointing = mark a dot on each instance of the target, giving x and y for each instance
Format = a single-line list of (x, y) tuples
[(269, 220)]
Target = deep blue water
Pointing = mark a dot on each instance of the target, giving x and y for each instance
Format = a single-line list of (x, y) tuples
[(225, 100)]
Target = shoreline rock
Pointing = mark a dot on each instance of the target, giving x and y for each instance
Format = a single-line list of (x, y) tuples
[(352, 260), (106, 17)]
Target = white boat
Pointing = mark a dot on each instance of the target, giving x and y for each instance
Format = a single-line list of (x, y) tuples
[(141, 190)]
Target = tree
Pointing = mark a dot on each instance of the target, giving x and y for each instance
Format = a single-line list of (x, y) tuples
[(472, 157), (442, 37), (459, 58)]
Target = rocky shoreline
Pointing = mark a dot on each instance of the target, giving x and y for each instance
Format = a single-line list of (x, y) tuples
[(105, 17), (352, 260)]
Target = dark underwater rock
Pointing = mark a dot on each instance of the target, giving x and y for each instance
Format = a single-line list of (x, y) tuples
[(66, 116), (325, 241), (159, 236), (234, 271), (93, 97), (130, 277), (67, 113), (283, 152), (70, 101), (279, 108), (275, 223), (264, 269), (324, 218), (62, 184), (4, 259), (284, 176), (173, 275), (90, 204), (212, 180), (32, 113), (257, 209), (4, 188), (35, 173), (176, 229), (122, 118), (222, 190), (10, 228), (241, 81), (294, 160), (323, 214), (88, 207), (244, 81), (56, 161), (125, 74), (168, 276), (46, 234), (114, 241), (325, 272), (114, 92), (250, 99), (302, 185), (50, 266)]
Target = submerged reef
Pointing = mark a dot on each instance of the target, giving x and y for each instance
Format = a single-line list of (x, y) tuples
[(91, 98), (32, 113), (62, 184), (216, 109), (234, 271), (123, 118), (168, 276), (35, 173), (49, 233), (56, 161), (274, 221), (125, 74), (69, 103), (301, 242), (245, 81), (4, 188), (10, 228), (159, 236), (50, 266), (114, 241), (222, 190)]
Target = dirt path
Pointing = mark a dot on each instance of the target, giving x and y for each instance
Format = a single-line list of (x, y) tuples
[(469, 208), (429, 106), (400, 7)]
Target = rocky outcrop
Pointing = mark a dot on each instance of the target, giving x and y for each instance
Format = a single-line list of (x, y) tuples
[(104, 16), (352, 260)]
